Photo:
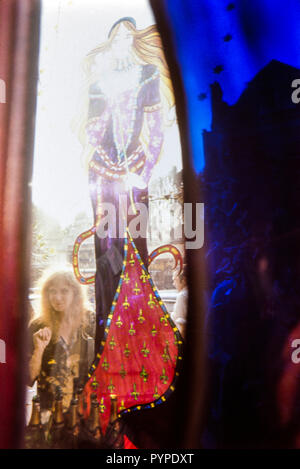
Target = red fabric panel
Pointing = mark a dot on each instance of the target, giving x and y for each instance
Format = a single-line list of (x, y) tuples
[(18, 54), (128, 444), (142, 349)]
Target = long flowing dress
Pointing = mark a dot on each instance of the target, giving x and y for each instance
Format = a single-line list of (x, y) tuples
[(116, 128)]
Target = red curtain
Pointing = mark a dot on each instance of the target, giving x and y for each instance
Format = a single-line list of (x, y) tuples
[(19, 40)]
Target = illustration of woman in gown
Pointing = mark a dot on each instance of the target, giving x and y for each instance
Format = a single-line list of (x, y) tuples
[(129, 96)]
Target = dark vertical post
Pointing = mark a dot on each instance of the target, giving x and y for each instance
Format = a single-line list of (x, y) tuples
[(19, 44), (189, 418)]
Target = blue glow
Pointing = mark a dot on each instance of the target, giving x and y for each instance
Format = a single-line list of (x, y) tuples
[(224, 288), (261, 30)]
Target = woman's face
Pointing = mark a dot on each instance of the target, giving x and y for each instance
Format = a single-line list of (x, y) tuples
[(122, 42), (61, 296), (176, 281)]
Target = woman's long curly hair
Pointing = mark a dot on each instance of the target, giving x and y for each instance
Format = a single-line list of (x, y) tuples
[(79, 308), (147, 47)]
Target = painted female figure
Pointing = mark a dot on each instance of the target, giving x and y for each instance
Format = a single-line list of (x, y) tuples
[(128, 89)]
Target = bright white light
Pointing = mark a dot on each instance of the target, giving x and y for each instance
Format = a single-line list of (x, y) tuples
[(69, 30)]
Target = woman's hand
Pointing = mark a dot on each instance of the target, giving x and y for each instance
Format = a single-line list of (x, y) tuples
[(42, 338)]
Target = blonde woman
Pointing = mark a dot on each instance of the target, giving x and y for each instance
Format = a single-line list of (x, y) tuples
[(61, 348), (129, 96)]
